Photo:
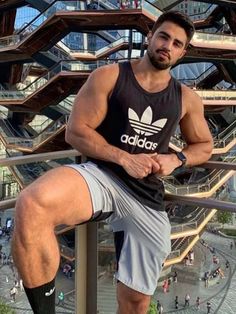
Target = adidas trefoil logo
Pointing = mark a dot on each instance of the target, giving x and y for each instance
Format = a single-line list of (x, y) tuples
[(47, 294), (143, 126)]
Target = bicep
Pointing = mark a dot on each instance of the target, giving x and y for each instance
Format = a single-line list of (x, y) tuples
[(193, 125)]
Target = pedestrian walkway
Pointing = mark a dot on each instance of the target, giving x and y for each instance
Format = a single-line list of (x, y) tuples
[(220, 294)]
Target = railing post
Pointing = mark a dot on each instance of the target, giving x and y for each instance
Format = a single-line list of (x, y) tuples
[(86, 259), (92, 262), (86, 269), (80, 269)]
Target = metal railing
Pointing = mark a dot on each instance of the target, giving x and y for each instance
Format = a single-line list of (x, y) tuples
[(147, 6), (217, 94), (85, 266), (47, 133), (73, 65), (116, 43), (201, 77), (183, 244), (193, 225), (214, 39), (226, 130), (218, 142), (63, 66), (214, 178)]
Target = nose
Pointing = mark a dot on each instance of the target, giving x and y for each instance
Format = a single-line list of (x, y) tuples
[(167, 45)]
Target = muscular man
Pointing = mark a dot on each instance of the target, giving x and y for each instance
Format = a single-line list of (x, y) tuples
[(122, 119)]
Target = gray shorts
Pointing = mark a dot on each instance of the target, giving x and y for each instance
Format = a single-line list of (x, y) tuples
[(142, 235)]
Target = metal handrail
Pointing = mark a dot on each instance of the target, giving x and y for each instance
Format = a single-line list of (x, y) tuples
[(50, 130), (190, 189)]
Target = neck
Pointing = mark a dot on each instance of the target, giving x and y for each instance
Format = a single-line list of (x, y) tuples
[(145, 66)]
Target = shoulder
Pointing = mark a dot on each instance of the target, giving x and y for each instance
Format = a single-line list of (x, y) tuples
[(190, 99), (103, 78), (189, 94), (110, 71)]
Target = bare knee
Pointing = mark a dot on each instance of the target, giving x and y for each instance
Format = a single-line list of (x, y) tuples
[(31, 213), (131, 301)]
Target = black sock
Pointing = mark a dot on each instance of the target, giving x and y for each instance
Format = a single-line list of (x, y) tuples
[(42, 298)]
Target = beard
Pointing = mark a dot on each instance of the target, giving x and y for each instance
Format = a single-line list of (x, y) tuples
[(158, 63)]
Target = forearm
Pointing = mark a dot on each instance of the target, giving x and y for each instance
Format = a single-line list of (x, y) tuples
[(91, 144), (198, 153)]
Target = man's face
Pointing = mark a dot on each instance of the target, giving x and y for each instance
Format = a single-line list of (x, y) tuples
[(167, 45)]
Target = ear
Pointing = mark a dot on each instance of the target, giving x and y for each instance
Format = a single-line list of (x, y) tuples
[(149, 36), (183, 54)]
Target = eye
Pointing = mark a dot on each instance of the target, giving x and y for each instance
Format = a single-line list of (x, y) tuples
[(177, 44), (163, 36)]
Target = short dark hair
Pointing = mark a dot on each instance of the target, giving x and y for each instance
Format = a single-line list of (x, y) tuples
[(178, 18)]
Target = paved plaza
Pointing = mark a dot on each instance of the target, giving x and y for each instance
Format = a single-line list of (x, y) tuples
[(221, 294)]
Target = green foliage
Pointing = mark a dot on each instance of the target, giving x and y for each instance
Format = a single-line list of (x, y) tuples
[(229, 232), (152, 308), (5, 309), (224, 217)]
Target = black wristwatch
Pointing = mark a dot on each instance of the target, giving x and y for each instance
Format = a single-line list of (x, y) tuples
[(182, 158)]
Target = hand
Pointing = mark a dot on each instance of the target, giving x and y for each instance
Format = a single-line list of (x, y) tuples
[(140, 165), (167, 163)]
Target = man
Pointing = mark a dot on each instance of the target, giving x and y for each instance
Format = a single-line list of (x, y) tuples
[(159, 307), (176, 302), (122, 119), (187, 300), (13, 293), (198, 303), (61, 298), (208, 307)]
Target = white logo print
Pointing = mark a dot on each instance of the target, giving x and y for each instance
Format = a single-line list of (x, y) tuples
[(47, 294), (143, 126)]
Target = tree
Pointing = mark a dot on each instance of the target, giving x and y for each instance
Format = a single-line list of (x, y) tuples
[(5, 309), (152, 308), (224, 217)]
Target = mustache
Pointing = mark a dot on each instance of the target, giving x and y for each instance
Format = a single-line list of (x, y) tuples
[(165, 51)]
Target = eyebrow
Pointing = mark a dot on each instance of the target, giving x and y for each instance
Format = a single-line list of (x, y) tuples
[(176, 40)]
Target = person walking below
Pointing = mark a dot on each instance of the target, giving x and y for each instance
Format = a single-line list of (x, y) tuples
[(159, 308), (227, 264), (13, 293), (21, 285), (175, 277), (206, 279), (122, 120), (165, 286), (198, 303), (176, 302), (208, 307), (187, 300), (61, 298)]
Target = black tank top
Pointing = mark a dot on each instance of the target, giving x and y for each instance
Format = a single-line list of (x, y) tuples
[(140, 122)]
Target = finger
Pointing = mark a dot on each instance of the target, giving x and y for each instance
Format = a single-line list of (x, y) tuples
[(155, 169), (152, 154), (155, 163)]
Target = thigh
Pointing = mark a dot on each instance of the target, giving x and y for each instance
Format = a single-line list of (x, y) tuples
[(64, 194)]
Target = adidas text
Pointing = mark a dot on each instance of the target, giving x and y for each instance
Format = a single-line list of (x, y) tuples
[(140, 142)]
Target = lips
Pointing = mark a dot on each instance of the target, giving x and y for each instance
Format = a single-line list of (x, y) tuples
[(164, 54)]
